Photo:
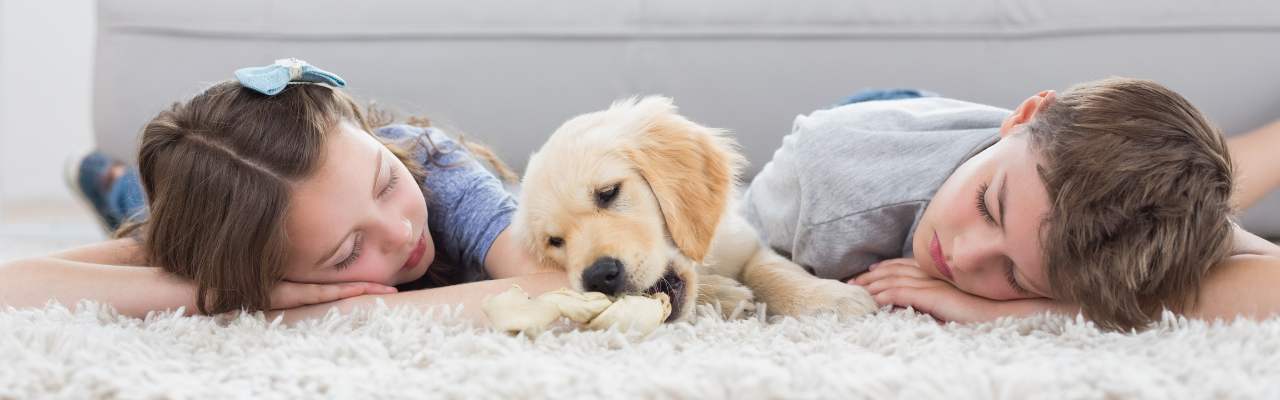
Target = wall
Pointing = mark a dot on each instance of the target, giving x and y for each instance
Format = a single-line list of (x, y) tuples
[(46, 60)]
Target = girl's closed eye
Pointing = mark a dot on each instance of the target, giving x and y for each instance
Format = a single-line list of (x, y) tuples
[(355, 250), (355, 254), (391, 183)]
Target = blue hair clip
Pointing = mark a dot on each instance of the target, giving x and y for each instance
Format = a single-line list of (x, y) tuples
[(271, 79)]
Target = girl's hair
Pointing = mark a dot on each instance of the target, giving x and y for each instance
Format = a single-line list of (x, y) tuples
[(217, 171)]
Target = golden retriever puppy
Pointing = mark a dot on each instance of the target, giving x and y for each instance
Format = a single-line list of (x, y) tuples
[(638, 199)]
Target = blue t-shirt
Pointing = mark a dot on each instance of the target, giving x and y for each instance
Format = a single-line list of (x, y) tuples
[(467, 206)]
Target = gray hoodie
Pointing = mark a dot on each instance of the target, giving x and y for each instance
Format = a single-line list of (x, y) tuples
[(849, 184)]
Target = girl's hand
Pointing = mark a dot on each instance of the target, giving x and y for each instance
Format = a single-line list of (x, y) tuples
[(901, 282), (288, 294)]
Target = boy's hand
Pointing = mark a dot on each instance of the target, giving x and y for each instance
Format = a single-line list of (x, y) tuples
[(901, 282), (287, 294)]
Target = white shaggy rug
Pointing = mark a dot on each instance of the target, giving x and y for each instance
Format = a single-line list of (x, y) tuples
[(91, 352)]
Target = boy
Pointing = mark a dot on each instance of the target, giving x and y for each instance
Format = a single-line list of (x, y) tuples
[(1113, 199)]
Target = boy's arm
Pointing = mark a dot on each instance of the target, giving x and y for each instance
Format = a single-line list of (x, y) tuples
[(470, 295), (1257, 168), (1241, 286), (899, 282)]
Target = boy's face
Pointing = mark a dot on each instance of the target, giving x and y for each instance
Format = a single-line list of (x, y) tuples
[(981, 231)]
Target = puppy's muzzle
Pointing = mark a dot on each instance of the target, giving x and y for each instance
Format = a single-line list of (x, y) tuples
[(604, 276)]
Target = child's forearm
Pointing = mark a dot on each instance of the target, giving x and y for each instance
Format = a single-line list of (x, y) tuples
[(112, 252), (1241, 286), (508, 258), (133, 291), (470, 295), (1257, 169)]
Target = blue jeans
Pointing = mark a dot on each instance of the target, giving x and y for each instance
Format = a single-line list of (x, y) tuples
[(125, 200), (885, 94)]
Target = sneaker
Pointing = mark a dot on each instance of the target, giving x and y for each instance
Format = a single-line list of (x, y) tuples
[(88, 175)]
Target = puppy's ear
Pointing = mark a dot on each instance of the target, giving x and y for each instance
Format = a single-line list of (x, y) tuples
[(690, 168)]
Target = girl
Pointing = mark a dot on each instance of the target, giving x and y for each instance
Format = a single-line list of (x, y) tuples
[(275, 192)]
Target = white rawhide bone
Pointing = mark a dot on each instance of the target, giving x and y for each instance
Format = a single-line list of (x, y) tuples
[(513, 310), (577, 306), (634, 313)]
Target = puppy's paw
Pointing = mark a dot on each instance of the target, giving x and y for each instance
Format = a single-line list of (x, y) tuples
[(824, 296), (730, 296)]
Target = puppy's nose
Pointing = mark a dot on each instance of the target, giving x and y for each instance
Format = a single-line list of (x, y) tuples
[(604, 276)]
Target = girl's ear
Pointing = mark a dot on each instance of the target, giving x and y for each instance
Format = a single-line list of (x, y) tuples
[(1026, 111)]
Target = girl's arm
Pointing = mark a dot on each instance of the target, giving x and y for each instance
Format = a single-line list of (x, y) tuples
[(107, 272), (470, 295), (508, 258), (114, 273), (122, 252), (132, 291)]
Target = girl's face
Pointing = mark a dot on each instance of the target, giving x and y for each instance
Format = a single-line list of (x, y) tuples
[(360, 218), (981, 230)]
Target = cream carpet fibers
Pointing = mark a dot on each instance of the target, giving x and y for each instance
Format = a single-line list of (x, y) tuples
[(91, 352)]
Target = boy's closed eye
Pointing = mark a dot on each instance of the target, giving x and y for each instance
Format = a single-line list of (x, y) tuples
[(1009, 267)]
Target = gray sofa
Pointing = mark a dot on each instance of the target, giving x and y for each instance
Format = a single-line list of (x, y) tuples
[(507, 72)]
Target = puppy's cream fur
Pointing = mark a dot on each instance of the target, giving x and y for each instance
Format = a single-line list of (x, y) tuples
[(674, 209)]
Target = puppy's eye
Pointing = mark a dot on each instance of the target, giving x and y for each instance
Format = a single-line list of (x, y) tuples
[(555, 241), (606, 196)]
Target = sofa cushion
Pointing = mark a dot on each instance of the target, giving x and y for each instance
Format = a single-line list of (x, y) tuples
[(508, 72)]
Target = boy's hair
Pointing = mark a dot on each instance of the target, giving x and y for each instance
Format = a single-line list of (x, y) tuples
[(217, 171), (1140, 192)]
